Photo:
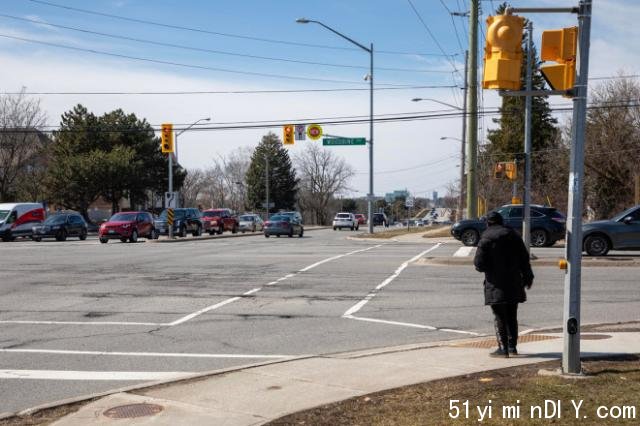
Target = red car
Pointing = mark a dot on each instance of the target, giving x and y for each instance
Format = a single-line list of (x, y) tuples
[(220, 220), (362, 220), (128, 226)]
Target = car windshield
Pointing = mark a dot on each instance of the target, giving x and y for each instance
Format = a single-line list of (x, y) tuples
[(624, 214), (55, 220), (212, 213), (177, 214), (123, 217), (245, 218), (279, 218), (343, 216), (4, 214)]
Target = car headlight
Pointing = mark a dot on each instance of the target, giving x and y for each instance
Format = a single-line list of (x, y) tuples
[(214, 222)]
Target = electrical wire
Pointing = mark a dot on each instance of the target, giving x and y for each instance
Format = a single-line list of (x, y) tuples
[(217, 52), (453, 23), (205, 31)]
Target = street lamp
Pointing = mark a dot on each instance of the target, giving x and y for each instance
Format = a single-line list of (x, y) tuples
[(462, 142), (369, 50), (184, 130)]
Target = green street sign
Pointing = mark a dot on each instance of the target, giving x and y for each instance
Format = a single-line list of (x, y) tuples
[(343, 141)]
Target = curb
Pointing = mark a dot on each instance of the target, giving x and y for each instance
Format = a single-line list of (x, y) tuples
[(222, 236), (587, 262)]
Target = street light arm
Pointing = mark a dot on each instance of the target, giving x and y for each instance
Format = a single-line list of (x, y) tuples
[(437, 101), (193, 124), (306, 21)]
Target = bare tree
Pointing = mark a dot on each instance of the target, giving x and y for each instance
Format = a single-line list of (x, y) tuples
[(193, 187), (233, 169), (21, 143), (323, 175)]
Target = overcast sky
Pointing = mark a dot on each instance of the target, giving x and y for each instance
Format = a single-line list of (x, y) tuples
[(234, 52)]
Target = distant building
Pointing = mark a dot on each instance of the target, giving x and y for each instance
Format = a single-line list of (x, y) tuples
[(390, 197), (435, 198)]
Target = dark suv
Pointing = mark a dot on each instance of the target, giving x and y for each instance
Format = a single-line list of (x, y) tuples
[(547, 225), (380, 219), (620, 233), (185, 220), (60, 226)]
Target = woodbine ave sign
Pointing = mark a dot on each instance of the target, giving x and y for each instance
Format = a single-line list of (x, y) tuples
[(343, 141)]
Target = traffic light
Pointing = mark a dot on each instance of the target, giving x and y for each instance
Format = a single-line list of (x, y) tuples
[(498, 171), (287, 138), (510, 170), (166, 138), (560, 46), (503, 52)]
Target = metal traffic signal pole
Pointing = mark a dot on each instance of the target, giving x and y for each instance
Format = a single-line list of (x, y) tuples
[(526, 223)]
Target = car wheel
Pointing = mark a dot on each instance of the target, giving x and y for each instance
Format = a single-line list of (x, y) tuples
[(539, 238), (104, 240), (253, 229), (597, 245), (334, 228), (353, 228), (62, 235), (37, 239), (220, 229), (234, 230), (470, 237), (154, 234), (183, 231), (290, 234), (278, 235), (123, 240), (134, 236), (266, 235), (301, 232), (197, 232), (83, 235)]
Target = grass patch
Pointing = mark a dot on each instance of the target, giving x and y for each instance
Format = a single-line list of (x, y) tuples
[(610, 383), (429, 232)]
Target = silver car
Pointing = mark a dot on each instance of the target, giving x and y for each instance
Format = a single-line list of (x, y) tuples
[(619, 233), (345, 220), (250, 223)]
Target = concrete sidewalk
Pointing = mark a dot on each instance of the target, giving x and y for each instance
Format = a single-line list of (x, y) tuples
[(255, 395)]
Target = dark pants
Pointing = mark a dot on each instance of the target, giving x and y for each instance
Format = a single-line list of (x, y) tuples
[(506, 324)]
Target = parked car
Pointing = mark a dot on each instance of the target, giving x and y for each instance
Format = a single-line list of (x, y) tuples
[(185, 220), (128, 226), (362, 219), (284, 224), (345, 220), (250, 222), (380, 219), (18, 219), (622, 232), (547, 225), (60, 226), (221, 220)]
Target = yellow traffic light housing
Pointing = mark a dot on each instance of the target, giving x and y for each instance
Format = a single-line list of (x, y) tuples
[(559, 46), (498, 171), (503, 52), (505, 170), (166, 138), (287, 135)]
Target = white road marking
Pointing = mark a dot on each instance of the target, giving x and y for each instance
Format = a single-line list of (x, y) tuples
[(194, 314), (355, 308), (406, 324), (463, 252), (91, 375), (142, 354)]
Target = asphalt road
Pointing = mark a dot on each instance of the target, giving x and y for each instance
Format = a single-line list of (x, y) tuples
[(82, 317)]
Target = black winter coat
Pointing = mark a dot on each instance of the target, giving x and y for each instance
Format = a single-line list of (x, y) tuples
[(504, 259)]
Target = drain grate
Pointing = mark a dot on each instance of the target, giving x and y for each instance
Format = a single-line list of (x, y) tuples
[(130, 411), (490, 343)]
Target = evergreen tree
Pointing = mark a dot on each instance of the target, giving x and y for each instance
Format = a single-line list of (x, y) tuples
[(283, 184)]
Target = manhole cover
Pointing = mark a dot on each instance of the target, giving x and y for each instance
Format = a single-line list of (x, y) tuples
[(133, 410), (489, 343)]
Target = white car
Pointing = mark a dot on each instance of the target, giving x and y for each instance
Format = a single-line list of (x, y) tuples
[(345, 220)]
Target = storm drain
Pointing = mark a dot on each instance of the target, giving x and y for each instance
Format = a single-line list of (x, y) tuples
[(489, 343), (130, 411)]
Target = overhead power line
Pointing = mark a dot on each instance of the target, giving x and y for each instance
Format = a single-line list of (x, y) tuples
[(216, 33), (179, 64), (217, 52)]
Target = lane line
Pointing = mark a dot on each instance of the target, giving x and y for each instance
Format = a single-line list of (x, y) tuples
[(142, 354), (406, 324), (355, 308), (463, 252), (92, 375), (203, 311), (146, 324)]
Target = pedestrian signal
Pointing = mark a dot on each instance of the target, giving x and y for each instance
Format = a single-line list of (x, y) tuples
[(166, 138), (505, 170)]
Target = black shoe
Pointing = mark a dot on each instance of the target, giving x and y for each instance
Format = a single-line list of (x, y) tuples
[(499, 353), (513, 351)]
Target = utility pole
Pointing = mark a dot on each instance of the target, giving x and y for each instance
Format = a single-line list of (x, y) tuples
[(526, 199), (266, 175), (472, 116), (463, 165)]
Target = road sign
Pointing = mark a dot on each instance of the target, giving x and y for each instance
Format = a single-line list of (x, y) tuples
[(171, 200), (314, 131), (301, 130), (343, 141), (271, 205), (409, 202), (170, 218)]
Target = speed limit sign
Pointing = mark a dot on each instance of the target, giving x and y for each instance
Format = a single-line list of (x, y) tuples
[(314, 131)]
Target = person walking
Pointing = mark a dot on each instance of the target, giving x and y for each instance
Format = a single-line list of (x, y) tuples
[(504, 259)]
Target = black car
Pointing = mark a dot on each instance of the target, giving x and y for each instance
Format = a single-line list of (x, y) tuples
[(185, 220), (547, 225), (380, 219), (60, 226), (620, 233)]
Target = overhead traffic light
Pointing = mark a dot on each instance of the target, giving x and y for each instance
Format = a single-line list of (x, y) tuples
[(166, 138), (288, 135), (498, 171), (505, 170), (503, 52), (560, 46)]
